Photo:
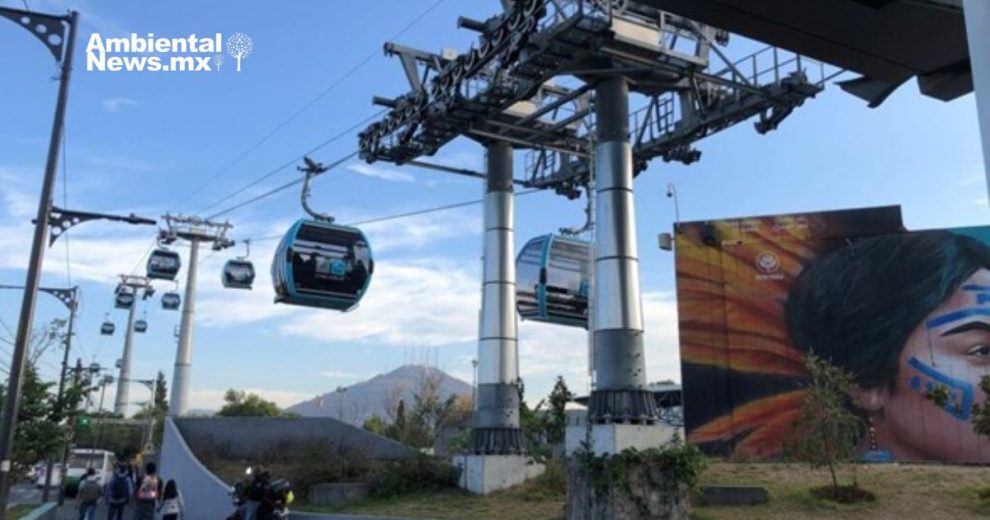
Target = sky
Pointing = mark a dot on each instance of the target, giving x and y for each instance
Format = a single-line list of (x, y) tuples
[(147, 143)]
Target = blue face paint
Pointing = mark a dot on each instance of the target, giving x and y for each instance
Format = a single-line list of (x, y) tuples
[(957, 315), (960, 391)]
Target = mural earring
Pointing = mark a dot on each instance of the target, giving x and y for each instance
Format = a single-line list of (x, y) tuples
[(874, 453)]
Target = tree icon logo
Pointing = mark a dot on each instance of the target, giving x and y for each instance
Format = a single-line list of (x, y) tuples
[(217, 60), (239, 45)]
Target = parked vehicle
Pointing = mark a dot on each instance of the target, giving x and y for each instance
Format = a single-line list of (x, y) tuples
[(82, 459), (39, 475)]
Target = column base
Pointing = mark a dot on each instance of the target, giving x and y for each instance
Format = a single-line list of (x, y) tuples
[(497, 441), (485, 474), (622, 406), (614, 438)]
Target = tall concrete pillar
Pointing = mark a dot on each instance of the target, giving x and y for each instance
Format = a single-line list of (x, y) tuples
[(977, 14), (179, 402), (620, 395), (123, 385), (495, 425)]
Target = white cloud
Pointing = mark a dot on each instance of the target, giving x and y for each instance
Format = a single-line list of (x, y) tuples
[(982, 201), (114, 104), (430, 229), (378, 172), (431, 301)]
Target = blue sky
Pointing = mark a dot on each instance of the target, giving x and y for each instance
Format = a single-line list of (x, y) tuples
[(146, 142)]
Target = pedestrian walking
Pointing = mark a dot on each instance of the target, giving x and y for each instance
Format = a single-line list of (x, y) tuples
[(148, 494), (172, 507), (88, 495), (118, 493)]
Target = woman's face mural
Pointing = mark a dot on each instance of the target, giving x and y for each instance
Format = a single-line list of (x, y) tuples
[(903, 312), (951, 348)]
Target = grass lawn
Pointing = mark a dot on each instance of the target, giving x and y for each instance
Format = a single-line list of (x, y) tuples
[(904, 492)]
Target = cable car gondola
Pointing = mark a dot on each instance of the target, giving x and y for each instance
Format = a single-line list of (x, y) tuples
[(107, 328), (171, 301), (123, 297), (141, 325), (239, 272), (552, 281), (319, 263), (163, 264)]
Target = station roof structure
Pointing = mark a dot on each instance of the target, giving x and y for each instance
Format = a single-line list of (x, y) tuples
[(888, 42)]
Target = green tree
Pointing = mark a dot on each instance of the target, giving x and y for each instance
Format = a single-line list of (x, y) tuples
[(161, 393), (375, 424), (827, 432), (556, 422), (243, 404)]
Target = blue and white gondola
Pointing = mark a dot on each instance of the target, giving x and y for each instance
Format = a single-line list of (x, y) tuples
[(320, 264), (163, 264), (552, 281), (237, 274), (171, 301)]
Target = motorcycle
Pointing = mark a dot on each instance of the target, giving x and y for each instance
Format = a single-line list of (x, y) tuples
[(259, 498)]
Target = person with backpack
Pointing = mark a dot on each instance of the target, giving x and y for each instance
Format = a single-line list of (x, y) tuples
[(172, 507), (148, 494), (118, 493), (88, 494)]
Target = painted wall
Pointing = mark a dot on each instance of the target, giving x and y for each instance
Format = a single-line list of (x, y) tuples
[(902, 311)]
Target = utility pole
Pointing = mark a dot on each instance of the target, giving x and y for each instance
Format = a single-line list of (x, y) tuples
[(194, 230), (63, 25), (135, 284), (71, 439)]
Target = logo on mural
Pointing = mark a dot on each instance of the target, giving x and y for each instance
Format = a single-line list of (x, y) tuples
[(769, 264)]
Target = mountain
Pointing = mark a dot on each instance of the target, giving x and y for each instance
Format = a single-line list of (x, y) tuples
[(380, 394)]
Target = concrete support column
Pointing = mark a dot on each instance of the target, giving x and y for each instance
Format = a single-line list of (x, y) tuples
[(179, 402), (495, 425), (123, 385), (977, 14), (620, 369)]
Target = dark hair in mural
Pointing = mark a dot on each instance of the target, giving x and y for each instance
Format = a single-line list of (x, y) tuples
[(857, 305)]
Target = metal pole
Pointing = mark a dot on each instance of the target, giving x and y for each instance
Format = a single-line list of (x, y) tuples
[(123, 380), (60, 396), (496, 417), (183, 356), (620, 369), (977, 14), (17, 364), (77, 374)]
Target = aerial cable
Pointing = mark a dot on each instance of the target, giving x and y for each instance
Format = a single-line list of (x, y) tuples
[(309, 104), (292, 161), (280, 188)]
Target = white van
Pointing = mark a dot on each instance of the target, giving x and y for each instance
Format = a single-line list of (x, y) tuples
[(82, 459)]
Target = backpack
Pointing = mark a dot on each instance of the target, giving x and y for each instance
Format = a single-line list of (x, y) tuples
[(89, 490), (148, 489), (120, 491)]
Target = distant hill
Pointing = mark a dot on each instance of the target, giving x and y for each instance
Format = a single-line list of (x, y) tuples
[(362, 400)]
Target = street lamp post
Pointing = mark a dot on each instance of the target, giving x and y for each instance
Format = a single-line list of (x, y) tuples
[(62, 24)]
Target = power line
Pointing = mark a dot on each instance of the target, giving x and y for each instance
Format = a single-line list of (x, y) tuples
[(309, 104)]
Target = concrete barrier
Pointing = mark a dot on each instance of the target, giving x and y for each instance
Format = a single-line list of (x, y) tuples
[(252, 437), (205, 495)]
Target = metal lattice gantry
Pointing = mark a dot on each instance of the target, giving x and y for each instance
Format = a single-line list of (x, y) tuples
[(554, 77)]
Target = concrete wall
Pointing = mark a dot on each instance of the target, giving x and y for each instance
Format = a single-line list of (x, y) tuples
[(250, 437), (205, 495)]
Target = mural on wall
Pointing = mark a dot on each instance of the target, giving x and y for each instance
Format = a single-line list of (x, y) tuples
[(900, 310)]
